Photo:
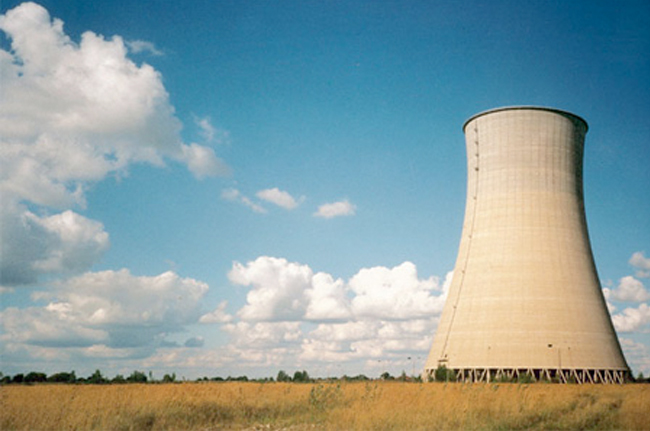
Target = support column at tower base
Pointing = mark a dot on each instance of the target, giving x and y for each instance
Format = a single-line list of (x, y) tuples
[(527, 375)]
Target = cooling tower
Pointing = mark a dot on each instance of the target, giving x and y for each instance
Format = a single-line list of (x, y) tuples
[(525, 300)]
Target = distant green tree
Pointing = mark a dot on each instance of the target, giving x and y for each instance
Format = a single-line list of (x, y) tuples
[(63, 377), (263, 379), (444, 374), (34, 377), (169, 378), (283, 377), (357, 378), (301, 376), (118, 379), (386, 376), (96, 378), (18, 378), (237, 379), (4, 379), (137, 377)]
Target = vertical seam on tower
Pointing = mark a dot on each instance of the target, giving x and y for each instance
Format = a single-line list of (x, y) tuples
[(469, 244)]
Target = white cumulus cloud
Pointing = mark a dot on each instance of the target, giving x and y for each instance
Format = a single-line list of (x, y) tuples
[(33, 245), (264, 335), (327, 299), (107, 310), (336, 209), (629, 289), (73, 112), (210, 133), (278, 197), (289, 291), (143, 46), (219, 315), (632, 319), (395, 293), (379, 313), (235, 195), (274, 195), (202, 161), (50, 326), (278, 288), (641, 263)]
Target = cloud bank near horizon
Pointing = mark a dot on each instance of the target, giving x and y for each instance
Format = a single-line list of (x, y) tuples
[(292, 317)]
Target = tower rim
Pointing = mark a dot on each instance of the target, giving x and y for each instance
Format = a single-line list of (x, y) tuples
[(527, 107)]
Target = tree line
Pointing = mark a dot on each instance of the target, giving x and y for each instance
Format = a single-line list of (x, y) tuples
[(140, 377), (442, 374), (71, 377)]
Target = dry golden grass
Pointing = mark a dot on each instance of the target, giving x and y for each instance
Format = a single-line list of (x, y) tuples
[(331, 406)]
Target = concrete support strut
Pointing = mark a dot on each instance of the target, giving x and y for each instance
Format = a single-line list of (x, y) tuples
[(524, 375)]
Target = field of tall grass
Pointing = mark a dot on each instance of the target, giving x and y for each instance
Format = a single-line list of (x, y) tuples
[(373, 405)]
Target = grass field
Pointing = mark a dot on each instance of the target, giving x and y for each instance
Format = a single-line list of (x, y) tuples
[(324, 406)]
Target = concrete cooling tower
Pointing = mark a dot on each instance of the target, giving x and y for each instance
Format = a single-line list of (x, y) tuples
[(525, 300)]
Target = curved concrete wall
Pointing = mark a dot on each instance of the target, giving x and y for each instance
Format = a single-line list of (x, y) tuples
[(525, 292)]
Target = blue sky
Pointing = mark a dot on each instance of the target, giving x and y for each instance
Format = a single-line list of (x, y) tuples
[(218, 188)]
